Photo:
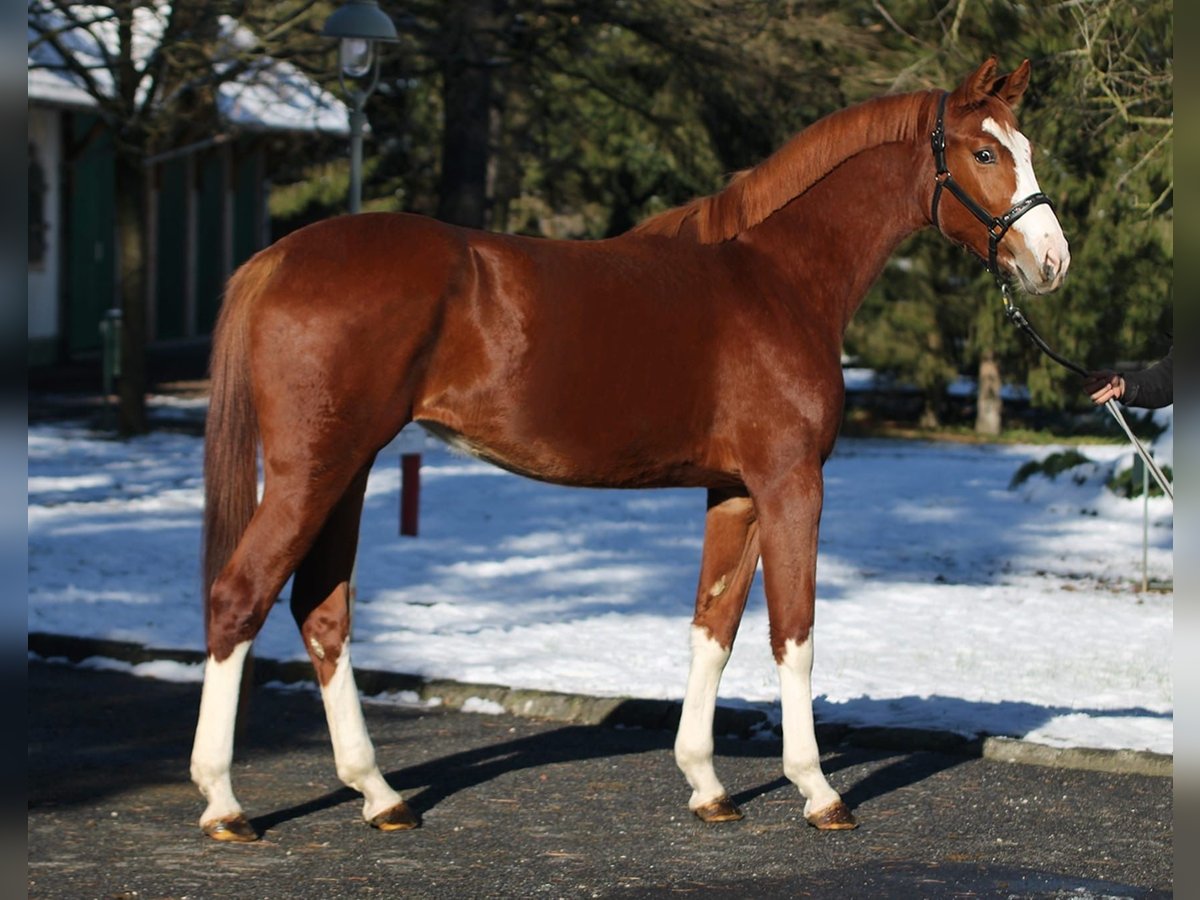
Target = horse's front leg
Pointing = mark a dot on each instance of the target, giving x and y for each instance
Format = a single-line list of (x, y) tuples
[(726, 570), (789, 511)]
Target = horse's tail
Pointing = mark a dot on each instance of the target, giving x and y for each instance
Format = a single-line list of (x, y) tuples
[(231, 428)]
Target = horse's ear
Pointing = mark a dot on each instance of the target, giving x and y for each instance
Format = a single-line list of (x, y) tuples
[(1010, 87), (978, 84)]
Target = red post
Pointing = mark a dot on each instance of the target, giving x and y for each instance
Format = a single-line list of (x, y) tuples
[(410, 492)]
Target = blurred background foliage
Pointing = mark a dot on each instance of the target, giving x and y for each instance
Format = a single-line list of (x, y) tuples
[(578, 118)]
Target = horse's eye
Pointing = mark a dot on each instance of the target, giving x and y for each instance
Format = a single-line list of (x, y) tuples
[(985, 157)]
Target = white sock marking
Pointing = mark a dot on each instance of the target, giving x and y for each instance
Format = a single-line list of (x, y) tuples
[(212, 751), (801, 758), (353, 752), (694, 740)]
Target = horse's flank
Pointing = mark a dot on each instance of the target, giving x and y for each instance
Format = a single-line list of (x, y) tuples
[(795, 167)]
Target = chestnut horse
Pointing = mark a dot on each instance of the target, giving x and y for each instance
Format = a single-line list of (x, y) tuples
[(700, 349)]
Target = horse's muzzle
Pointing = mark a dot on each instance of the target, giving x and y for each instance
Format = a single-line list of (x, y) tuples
[(1046, 275)]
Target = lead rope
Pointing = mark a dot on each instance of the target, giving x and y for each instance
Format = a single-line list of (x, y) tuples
[(1017, 317)]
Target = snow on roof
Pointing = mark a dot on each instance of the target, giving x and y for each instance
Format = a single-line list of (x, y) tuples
[(276, 96), (270, 95), (58, 89)]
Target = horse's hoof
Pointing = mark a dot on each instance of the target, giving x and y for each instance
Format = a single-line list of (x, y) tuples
[(399, 818), (834, 817), (719, 810), (235, 829)]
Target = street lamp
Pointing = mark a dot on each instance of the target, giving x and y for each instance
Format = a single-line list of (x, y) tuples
[(358, 25)]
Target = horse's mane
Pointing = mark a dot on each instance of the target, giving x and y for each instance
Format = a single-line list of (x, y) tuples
[(791, 170)]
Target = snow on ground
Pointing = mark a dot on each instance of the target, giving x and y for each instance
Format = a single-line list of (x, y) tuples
[(945, 599)]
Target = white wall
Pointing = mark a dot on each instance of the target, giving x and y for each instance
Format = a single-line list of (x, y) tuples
[(45, 139)]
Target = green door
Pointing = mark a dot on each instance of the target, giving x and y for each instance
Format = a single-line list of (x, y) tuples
[(91, 237)]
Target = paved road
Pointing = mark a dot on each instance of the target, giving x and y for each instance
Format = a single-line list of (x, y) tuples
[(515, 807)]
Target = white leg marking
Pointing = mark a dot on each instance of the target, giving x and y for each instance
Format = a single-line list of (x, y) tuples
[(801, 758), (694, 741), (353, 752), (212, 751)]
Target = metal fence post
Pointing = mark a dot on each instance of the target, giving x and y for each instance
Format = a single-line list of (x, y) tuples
[(110, 348), (410, 493), (1145, 527)]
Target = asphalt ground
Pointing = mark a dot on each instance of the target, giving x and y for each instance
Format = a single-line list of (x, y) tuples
[(515, 806)]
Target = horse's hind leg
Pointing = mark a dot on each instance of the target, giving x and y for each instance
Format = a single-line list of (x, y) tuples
[(293, 509), (212, 750), (726, 570), (321, 607)]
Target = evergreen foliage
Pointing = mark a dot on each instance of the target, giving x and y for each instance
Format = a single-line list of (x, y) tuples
[(1051, 467)]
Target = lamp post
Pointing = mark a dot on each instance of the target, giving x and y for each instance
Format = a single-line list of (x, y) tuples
[(358, 25)]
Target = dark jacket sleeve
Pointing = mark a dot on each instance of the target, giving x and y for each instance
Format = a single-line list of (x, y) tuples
[(1151, 388)]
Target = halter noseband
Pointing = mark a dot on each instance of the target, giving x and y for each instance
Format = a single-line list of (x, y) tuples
[(997, 226)]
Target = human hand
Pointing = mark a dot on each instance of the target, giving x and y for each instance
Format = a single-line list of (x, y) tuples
[(1104, 386)]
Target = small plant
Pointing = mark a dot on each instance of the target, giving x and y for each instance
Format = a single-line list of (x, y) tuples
[(1052, 466), (1128, 484)]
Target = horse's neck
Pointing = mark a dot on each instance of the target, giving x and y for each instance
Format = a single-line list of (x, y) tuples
[(832, 242)]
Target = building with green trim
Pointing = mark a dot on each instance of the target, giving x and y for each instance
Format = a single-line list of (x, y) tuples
[(206, 202)]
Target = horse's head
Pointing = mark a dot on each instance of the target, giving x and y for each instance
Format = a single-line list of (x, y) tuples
[(997, 209)]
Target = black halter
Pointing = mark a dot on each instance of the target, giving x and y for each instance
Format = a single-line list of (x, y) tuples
[(997, 226)]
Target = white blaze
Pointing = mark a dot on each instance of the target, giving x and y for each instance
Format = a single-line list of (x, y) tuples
[(1039, 227)]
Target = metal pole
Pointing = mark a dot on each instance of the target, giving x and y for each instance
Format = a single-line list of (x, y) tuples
[(357, 120), (110, 348), (1111, 406), (410, 493), (1145, 527)]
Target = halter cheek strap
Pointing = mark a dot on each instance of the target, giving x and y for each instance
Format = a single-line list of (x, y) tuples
[(997, 226)]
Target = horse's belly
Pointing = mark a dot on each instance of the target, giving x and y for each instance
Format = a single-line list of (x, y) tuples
[(585, 466)]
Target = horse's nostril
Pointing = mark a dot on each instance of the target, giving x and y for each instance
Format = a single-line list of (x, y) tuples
[(1050, 266)]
